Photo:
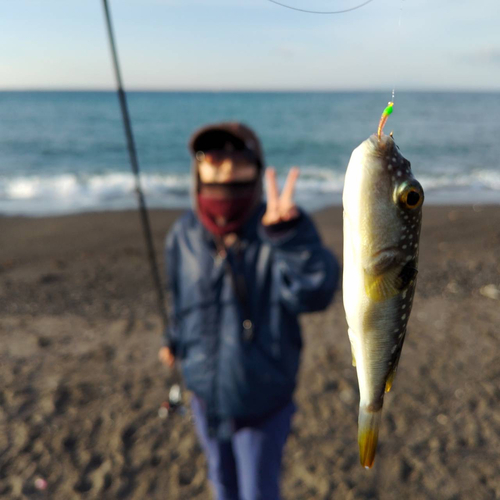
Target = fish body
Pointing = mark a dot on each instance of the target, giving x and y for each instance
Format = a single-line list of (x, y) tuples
[(382, 219)]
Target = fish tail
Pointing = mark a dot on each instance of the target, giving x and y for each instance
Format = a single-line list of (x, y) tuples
[(368, 425)]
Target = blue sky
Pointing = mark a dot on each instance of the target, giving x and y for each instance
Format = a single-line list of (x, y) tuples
[(252, 44)]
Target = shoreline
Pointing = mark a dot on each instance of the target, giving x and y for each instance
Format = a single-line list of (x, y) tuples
[(438, 198)]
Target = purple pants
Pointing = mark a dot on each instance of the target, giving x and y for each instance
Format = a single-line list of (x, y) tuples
[(247, 466)]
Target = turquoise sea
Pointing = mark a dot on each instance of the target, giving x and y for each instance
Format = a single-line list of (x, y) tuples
[(65, 152)]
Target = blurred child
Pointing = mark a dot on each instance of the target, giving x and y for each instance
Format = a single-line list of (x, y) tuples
[(239, 273)]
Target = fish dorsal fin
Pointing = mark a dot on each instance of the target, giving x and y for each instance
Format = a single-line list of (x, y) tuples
[(390, 379), (392, 373)]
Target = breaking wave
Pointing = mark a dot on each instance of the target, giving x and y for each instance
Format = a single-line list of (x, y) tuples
[(317, 187)]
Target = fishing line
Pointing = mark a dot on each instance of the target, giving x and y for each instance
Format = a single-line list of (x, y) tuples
[(146, 226), (398, 43), (321, 11), (390, 105)]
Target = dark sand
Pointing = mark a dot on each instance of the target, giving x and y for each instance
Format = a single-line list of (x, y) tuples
[(81, 385)]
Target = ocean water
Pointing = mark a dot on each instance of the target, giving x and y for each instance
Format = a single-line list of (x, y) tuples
[(65, 152)]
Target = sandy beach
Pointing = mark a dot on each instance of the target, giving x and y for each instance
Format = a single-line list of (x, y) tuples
[(81, 385)]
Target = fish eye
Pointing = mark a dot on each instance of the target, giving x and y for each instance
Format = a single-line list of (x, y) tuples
[(411, 195), (412, 199)]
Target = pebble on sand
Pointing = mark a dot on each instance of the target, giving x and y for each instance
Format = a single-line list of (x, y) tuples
[(491, 291), (163, 410), (442, 419), (453, 287), (40, 484)]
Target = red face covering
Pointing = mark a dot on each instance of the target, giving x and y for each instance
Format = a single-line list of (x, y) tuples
[(225, 208)]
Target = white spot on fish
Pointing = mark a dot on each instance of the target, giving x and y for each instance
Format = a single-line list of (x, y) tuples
[(394, 159), (400, 335), (389, 167), (399, 173), (393, 350), (405, 247), (403, 306), (396, 330), (403, 237), (416, 245), (406, 217), (404, 316), (411, 236), (408, 258), (404, 294)]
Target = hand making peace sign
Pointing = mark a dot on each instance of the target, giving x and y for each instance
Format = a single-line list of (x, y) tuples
[(280, 208)]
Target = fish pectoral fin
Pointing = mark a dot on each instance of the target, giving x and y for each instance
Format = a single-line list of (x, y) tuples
[(389, 283), (384, 286), (382, 275)]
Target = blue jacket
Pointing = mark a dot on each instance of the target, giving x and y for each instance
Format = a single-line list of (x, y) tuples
[(286, 271)]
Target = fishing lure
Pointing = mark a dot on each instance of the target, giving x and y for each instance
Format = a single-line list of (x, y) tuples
[(383, 119)]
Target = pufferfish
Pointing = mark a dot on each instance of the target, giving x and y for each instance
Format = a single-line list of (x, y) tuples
[(382, 203)]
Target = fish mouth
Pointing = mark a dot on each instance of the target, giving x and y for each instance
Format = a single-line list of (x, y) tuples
[(380, 147)]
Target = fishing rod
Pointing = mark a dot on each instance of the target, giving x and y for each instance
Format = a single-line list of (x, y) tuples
[(146, 226)]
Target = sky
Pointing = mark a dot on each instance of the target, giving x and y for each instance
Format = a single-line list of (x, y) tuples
[(252, 45)]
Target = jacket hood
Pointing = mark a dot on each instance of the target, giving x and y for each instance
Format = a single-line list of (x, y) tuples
[(214, 137)]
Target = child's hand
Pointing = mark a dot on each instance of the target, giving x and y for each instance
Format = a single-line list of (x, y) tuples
[(280, 208), (166, 357)]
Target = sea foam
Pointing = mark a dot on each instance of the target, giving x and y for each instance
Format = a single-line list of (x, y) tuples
[(317, 187)]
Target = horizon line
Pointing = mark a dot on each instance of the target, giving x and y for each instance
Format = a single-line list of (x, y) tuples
[(249, 91)]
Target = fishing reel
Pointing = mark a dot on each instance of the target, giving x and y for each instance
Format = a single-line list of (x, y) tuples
[(175, 396), (173, 404)]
